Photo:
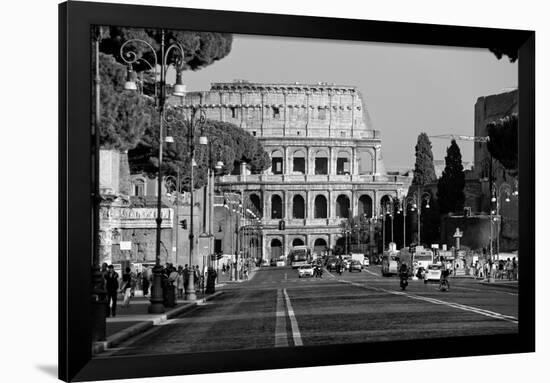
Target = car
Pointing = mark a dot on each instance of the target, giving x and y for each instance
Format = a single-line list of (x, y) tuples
[(305, 271), (433, 273), (355, 266), (331, 264), (366, 262)]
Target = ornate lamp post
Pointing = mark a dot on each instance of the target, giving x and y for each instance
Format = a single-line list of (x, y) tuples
[(173, 183), (131, 57), (418, 199)]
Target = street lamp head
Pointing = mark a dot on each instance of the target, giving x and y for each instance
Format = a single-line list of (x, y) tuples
[(179, 88), (494, 199), (427, 205), (130, 83), (507, 199), (414, 206), (194, 163), (169, 139)]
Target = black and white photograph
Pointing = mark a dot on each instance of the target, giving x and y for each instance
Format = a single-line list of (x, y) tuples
[(310, 192), (294, 191)]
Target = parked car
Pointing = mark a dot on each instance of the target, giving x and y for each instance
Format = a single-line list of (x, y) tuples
[(305, 271), (433, 273), (355, 266), (366, 262)]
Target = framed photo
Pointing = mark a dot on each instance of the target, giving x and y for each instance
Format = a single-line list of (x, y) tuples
[(244, 191)]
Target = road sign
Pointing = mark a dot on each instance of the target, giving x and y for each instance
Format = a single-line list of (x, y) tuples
[(125, 245)]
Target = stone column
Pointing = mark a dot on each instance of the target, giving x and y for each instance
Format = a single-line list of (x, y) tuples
[(286, 162), (330, 207)]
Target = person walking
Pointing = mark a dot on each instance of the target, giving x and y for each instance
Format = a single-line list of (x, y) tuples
[(111, 283), (514, 269), (126, 287), (179, 282)]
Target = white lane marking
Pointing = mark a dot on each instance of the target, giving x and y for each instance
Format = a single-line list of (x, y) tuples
[(373, 273), (459, 306), (473, 309), (280, 322), (293, 323)]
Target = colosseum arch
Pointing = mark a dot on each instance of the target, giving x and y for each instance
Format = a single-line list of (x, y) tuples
[(275, 248), (365, 159), (277, 162), (277, 207), (343, 162), (298, 207), (257, 202), (321, 158), (365, 206), (320, 207), (299, 161), (343, 206), (298, 241)]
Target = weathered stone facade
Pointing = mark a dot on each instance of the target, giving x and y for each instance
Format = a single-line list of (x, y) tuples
[(326, 159), (491, 109)]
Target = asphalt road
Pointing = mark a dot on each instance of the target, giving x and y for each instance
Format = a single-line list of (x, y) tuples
[(278, 309)]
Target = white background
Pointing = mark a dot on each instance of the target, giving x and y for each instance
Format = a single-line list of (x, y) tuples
[(28, 134)]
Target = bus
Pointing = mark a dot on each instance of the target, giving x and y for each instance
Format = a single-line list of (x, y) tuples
[(422, 258), (299, 256)]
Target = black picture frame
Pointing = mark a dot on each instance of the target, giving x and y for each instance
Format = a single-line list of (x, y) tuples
[(77, 187)]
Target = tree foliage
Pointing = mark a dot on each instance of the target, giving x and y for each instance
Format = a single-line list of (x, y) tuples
[(450, 187), (503, 141), (512, 53), (424, 171), (227, 143), (200, 48), (124, 115)]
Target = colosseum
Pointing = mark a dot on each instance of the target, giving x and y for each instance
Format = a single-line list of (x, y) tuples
[(326, 161)]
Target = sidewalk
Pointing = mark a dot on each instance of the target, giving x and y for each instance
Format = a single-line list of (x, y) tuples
[(135, 319)]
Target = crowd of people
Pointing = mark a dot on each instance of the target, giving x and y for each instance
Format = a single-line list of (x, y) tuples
[(173, 281), (500, 269)]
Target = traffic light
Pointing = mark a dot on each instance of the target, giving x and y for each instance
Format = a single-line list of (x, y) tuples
[(183, 224), (281, 225)]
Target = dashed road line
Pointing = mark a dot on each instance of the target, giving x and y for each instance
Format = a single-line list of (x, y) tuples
[(293, 322), (280, 322)]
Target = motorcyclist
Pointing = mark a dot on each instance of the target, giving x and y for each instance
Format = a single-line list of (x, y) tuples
[(403, 274), (444, 279)]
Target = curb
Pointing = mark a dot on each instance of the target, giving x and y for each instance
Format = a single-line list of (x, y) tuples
[(121, 336)]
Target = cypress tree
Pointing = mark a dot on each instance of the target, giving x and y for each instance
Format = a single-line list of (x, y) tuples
[(424, 172), (450, 187)]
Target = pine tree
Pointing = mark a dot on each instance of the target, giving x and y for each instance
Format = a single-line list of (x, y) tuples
[(450, 187), (424, 172)]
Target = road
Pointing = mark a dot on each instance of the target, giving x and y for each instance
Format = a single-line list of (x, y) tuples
[(277, 309)]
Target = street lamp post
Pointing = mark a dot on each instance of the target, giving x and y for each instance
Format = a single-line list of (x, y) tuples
[(496, 194), (177, 191), (130, 57)]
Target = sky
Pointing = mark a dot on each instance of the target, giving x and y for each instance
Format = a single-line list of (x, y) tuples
[(408, 89)]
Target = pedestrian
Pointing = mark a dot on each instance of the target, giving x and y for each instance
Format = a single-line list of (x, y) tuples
[(514, 269), (179, 282), (111, 283), (509, 269), (126, 287), (133, 283), (196, 276), (245, 272)]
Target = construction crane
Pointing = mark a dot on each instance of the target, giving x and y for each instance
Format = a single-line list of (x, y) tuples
[(462, 137)]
